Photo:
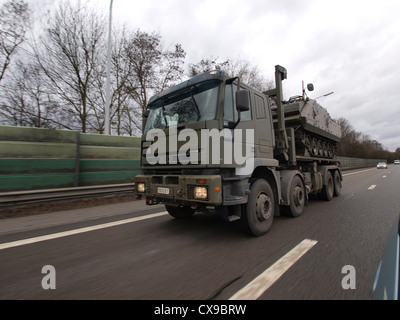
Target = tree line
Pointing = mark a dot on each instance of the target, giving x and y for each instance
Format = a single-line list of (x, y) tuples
[(58, 78), (53, 73), (355, 144)]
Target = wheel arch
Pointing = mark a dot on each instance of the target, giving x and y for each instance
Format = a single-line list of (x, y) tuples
[(273, 178)]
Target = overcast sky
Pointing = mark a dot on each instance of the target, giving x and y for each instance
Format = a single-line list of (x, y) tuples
[(351, 47)]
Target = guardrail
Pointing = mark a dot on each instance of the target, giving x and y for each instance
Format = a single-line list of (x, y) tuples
[(18, 198), (9, 199)]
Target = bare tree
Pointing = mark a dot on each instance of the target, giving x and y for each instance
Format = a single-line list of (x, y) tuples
[(248, 73), (27, 102), (121, 70), (206, 65), (14, 23), (143, 54), (140, 67), (171, 67), (68, 54), (124, 110), (153, 69), (22, 97)]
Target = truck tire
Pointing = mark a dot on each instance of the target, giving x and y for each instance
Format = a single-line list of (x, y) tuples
[(258, 213), (180, 212), (328, 190), (337, 184), (297, 198)]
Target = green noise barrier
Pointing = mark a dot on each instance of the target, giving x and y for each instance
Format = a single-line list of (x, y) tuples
[(33, 159)]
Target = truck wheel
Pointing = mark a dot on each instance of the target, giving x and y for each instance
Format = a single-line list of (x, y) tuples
[(260, 209), (180, 212), (337, 184), (297, 198), (327, 191)]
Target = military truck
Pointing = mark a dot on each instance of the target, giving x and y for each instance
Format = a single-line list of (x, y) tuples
[(290, 151)]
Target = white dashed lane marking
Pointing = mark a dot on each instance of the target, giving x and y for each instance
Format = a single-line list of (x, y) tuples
[(264, 281)]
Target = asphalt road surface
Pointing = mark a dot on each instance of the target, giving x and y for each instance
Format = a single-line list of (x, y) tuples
[(130, 251)]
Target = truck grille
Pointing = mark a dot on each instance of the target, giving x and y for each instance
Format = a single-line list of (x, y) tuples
[(145, 147)]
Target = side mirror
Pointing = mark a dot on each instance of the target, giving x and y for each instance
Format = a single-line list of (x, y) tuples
[(145, 116), (243, 100), (310, 87)]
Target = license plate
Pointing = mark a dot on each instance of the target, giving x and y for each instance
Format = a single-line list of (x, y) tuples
[(163, 191)]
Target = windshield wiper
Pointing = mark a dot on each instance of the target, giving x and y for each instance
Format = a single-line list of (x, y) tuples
[(164, 116), (195, 102)]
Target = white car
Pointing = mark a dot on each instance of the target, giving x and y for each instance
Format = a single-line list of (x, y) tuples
[(382, 165), (396, 161)]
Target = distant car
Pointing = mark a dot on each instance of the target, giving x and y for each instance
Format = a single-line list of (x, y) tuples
[(382, 165), (396, 161)]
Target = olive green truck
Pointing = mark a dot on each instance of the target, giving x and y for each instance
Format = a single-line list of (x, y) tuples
[(213, 144)]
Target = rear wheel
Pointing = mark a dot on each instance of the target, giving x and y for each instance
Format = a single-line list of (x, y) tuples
[(297, 198), (180, 212), (337, 184), (259, 212), (328, 189)]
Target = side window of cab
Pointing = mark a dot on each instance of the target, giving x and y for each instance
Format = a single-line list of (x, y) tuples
[(231, 114)]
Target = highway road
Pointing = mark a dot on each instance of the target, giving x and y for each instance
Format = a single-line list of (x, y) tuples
[(130, 251)]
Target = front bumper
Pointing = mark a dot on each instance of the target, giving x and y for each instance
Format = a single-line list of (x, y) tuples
[(181, 190)]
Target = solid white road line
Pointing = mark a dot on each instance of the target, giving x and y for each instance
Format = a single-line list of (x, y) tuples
[(264, 281), (350, 174), (78, 231)]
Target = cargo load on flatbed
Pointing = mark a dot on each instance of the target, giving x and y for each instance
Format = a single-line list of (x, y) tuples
[(316, 134)]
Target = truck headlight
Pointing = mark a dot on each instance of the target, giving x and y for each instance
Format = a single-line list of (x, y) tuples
[(141, 187), (201, 193)]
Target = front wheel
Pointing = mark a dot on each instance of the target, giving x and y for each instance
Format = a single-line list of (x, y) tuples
[(180, 212), (260, 209)]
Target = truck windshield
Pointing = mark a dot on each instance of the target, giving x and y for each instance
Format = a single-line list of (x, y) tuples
[(197, 103)]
